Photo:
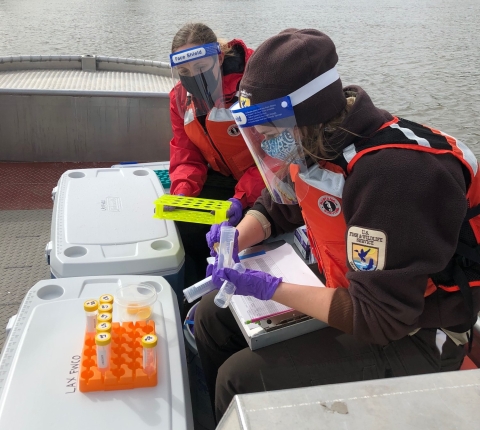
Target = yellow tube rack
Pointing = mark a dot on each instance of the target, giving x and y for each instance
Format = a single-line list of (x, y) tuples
[(192, 209)]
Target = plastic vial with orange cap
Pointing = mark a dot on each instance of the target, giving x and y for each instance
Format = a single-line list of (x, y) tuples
[(149, 343), (91, 307), (103, 341)]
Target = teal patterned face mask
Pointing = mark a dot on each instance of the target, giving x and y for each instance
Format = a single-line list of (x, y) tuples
[(282, 147)]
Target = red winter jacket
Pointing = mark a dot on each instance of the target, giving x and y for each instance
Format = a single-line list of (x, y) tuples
[(188, 166)]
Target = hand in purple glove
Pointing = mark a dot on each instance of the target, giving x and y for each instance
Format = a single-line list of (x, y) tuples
[(235, 211), (209, 270), (250, 283), (213, 237), (172, 208)]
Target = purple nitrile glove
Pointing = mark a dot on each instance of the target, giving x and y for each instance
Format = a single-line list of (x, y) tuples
[(235, 211), (209, 270), (172, 208), (253, 283), (211, 262), (213, 237)]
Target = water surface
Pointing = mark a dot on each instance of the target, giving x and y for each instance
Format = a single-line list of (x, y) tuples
[(417, 58)]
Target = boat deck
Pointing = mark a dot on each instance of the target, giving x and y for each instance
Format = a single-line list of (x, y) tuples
[(25, 217)]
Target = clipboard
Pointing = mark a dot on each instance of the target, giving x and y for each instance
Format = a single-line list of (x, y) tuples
[(279, 259)]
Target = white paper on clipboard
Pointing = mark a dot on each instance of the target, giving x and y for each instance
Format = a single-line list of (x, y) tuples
[(280, 262)]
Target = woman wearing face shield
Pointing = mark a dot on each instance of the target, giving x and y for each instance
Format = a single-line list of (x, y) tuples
[(392, 210), (208, 156)]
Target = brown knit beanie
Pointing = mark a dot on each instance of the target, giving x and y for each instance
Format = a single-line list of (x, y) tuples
[(286, 62)]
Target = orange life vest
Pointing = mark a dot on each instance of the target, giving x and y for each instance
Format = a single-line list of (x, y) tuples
[(320, 197), (220, 142)]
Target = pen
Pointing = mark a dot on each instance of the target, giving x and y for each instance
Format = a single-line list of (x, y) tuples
[(256, 320)]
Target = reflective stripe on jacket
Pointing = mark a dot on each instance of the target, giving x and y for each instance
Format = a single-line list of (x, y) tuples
[(220, 142)]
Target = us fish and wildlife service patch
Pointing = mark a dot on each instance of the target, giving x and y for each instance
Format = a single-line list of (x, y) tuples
[(244, 99), (366, 249)]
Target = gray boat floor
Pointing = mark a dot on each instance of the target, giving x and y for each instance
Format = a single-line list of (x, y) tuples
[(25, 219), (24, 234)]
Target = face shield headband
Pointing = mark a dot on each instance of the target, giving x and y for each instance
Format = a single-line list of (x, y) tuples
[(192, 54), (198, 75), (271, 133)]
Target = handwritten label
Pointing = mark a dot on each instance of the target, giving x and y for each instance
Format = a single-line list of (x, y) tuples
[(72, 380)]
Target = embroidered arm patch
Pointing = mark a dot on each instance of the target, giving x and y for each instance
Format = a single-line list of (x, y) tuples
[(366, 248)]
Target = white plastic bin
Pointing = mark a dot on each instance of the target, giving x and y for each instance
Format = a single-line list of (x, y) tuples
[(201, 406), (41, 361), (102, 224)]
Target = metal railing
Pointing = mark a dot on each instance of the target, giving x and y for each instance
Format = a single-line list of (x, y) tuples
[(88, 63)]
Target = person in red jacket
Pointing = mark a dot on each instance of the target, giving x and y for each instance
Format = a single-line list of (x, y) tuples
[(392, 209), (208, 156)]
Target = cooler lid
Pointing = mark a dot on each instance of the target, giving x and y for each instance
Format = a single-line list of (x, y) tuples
[(111, 206), (103, 224), (41, 362)]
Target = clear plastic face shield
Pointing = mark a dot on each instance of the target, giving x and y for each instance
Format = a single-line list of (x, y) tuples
[(274, 139), (197, 78), (271, 133)]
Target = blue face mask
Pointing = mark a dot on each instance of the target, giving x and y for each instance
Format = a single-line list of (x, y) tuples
[(282, 147)]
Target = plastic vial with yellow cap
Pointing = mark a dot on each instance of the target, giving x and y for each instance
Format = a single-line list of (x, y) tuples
[(91, 307), (104, 317), (105, 307), (103, 342), (106, 298), (149, 343), (104, 327)]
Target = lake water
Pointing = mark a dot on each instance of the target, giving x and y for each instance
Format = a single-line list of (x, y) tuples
[(419, 59)]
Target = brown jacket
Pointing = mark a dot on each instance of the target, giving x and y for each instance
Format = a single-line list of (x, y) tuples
[(418, 199)]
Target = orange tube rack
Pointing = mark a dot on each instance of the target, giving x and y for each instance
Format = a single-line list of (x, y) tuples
[(126, 363)]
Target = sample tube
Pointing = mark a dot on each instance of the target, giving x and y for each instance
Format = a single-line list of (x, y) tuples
[(149, 342), (199, 289), (103, 342), (91, 307), (225, 294), (227, 290), (104, 317), (106, 298), (105, 307), (104, 327), (225, 251)]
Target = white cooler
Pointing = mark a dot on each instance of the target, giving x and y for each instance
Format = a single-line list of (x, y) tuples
[(40, 364), (103, 224), (157, 165), (161, 167)]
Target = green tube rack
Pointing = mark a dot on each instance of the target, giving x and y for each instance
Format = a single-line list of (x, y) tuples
[(192, 209)]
